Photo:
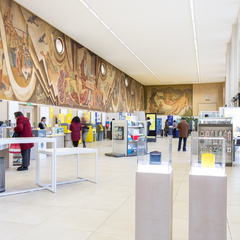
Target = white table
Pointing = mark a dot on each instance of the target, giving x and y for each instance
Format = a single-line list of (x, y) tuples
[(51, 187), (74, 151)]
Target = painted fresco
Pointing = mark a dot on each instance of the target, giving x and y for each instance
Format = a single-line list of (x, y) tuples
[(40, 64), (170, 100)]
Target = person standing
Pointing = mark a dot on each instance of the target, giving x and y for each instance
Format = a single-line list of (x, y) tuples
[(174, 129), (23, 129), (166, 128), (75, 128), (85, 129), (111, 128), (148, 125), (42, 124), (183, 127)]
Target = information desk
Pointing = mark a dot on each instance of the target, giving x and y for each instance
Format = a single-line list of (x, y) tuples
[(74, 151), (51, 187)]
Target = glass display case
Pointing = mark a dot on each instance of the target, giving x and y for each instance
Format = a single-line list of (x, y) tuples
[(218, 128), (159, 161), (135, 131), (208, 156)]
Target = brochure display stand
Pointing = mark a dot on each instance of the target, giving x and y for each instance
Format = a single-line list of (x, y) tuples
[(154, 195), (208, 191), (125, 134)]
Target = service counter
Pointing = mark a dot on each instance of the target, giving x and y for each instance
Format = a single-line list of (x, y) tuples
[(59, 140)]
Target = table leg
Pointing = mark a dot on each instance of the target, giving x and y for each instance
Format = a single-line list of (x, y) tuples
[(54, 169), (78, 165), (37, 164), (96, 168)]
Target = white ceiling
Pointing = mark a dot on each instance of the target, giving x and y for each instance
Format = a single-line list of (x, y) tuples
[(159, 32)]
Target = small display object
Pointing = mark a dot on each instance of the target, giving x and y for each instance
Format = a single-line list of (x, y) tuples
[(158, 161), (209, 159), (118, 133)]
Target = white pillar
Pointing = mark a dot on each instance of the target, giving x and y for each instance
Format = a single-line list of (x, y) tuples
[(234, 56), (228, 75)]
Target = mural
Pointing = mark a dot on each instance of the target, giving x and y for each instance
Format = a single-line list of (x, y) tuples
[(170, 100), (40, 64)]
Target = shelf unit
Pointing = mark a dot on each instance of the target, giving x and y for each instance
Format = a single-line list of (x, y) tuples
[(217, 127), (140, 130), (125, 144)]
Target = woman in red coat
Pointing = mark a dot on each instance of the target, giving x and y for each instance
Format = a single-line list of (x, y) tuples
[(76, 128), (23, 129)]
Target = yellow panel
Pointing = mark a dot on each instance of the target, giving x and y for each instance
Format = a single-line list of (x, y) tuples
[(208, 160), (61, 117), (69, 118), (51, 112), (152, 118)]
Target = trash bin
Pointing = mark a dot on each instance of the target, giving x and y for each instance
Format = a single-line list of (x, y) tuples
[(2, 174)]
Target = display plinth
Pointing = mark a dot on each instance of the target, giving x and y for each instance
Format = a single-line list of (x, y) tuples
[(154, 204), (207, 207)]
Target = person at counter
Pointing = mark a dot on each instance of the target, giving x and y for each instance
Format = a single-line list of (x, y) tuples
[(85, 130), (42, 124), (23, 129), (75, 128)]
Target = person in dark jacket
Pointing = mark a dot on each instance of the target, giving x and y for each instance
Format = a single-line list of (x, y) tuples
[(42, 124), (166, 128), (23, 129), (85, 130), (183, 127), (75, 128), (174, 129), (111, 128), (148, 125)]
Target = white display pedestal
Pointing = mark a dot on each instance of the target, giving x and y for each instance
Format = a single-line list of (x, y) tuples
[(207, 207), (154, 203)]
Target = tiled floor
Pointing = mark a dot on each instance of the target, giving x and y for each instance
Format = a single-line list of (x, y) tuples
[(103, 211)]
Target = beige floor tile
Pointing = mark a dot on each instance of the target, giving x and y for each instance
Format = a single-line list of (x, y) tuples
[(233, 214), (235, 231), (44, 232), (5, 206), (103, 236), (10, 230), (180, 228), (233, 199), (119, 223), (75, 218), (181, 209), (29, 213), (182, 196), (128, 207), (108, 203), (116, 191)]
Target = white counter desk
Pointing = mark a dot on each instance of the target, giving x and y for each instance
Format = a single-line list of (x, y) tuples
[(74, 151), (51, 187)]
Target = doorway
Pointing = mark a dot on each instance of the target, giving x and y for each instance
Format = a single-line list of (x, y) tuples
[(27, 111)]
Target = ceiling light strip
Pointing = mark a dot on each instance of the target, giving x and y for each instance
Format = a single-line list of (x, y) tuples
[(116, 35), (195, 37)]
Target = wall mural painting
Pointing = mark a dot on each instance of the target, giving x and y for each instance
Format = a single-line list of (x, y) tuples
[(40, 64), (170, 100)]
